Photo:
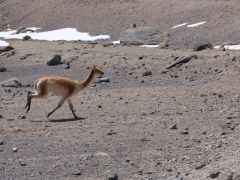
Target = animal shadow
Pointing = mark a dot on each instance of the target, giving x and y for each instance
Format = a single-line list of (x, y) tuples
[(67, 119)]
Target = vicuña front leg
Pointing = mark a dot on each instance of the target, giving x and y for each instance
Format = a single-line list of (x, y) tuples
[(58, 106), (71, 108)]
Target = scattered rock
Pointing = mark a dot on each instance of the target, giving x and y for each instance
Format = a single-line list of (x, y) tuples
[(202, 46), (5, 48), (77, 173), (111, 133), (56, 60), (180, 60), (12, 82), (173, 126), (15, 149), (25, 38), (22, 117), (147, 73), (143, 35), (185, 132), (112, 175), (11, 53), (108, 44), (103, 80), (3, 69), (200, 166), (214, 174)]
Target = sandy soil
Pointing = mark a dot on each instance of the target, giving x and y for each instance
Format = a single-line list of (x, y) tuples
[(127, 125), (181, 123)]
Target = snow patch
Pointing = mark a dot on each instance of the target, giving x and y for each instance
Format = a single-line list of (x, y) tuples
[(197, 24), (229, 47), (116, 42), (65, 34), (149, 46), (180, 25), (3, 43)]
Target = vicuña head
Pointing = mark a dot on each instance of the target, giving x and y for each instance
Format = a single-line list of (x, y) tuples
[(60, 86)]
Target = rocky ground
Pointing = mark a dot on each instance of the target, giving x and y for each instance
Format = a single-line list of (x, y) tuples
[(178, 123), (149, 122)]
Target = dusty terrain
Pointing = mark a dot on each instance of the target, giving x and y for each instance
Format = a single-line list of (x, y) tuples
[(181, 123), (127, 126)]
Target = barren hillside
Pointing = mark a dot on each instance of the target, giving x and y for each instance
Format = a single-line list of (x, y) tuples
[(114, 16)]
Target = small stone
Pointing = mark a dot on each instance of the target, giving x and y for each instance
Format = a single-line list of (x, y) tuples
[(111, 133), (104, 80), (200, 166), (173, 126), (1, 116), (77, 173), (5, 48), (3, 69), (25, 38), (147, 73), (56, 60), (22, 117), (1, 142), (214, 174), (112, 175), (15, 149), (184, 132), (99, 106), (108, 44), (22, 163)]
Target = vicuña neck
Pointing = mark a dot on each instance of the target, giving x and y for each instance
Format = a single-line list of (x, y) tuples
[(84, 83)]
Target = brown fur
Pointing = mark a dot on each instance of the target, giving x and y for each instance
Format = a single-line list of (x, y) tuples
[(60, 86)]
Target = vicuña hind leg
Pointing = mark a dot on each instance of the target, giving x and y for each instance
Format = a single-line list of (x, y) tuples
[(29, 99), (71, 108), (33, 95), (58, 106)]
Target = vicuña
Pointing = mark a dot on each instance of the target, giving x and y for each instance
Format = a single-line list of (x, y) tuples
[(60, 86)]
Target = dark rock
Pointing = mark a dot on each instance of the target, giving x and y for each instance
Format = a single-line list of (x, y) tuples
[(103, 80), (173, 126), (108, 44), (112, 176), (12, 82), (15, 149), (185, 132), (3, 69), (25, 38), (5, 48), (77, 173), (180, 60), (11, 53), (22, 117), (143, 35), (214, 174), (202, 46), (1, 116), (1, 142), (56, 60), (111, 133), (147, 73), (200, 166)]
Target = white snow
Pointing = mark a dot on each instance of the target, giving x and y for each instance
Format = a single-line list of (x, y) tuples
[(149, 46), (116, 42), (229, 47), (67, 34), (196, 24), (3, 43), (180, 25)]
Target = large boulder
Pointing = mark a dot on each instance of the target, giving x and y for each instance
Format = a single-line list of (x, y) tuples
[(143, 35)]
